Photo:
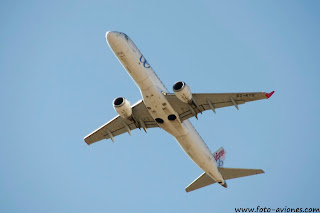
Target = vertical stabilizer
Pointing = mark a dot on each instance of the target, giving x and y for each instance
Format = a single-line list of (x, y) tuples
[(219, 156)]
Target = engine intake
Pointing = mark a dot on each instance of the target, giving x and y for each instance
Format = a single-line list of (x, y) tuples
[(123, 108), (182, 91)]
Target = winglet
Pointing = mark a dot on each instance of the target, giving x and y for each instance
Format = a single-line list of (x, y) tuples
[(268, 95)]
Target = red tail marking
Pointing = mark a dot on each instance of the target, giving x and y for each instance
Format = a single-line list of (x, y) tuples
[(218, 155)]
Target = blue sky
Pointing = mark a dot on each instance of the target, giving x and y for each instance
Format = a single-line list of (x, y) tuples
[(58, 79)]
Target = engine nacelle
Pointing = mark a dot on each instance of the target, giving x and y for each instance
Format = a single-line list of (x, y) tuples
[(182, 91), (123, 108)]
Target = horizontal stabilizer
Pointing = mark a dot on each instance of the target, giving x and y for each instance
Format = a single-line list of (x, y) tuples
[(227, 173)]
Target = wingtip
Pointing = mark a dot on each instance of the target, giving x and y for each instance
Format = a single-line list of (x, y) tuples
[(268, 95), (259, 171), (86, 141)]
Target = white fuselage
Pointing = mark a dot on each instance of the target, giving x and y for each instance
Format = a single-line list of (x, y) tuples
[(153, 93)]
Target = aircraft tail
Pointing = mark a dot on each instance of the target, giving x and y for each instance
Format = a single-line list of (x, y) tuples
[(219, 156), (227, 173)]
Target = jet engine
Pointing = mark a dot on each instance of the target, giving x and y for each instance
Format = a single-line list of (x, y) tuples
[(123, 108), (182, 91)]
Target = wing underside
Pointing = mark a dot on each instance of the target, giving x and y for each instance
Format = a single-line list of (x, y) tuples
[(143, 119), (212, 101), (119, 125)]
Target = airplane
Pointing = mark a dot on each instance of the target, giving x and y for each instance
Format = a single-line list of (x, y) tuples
[(170, 112)]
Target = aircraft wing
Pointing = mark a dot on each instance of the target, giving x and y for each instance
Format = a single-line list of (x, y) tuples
[(119, 125), (212, 101)]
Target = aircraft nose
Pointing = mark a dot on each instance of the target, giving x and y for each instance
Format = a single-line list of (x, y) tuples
[(111, 36)]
